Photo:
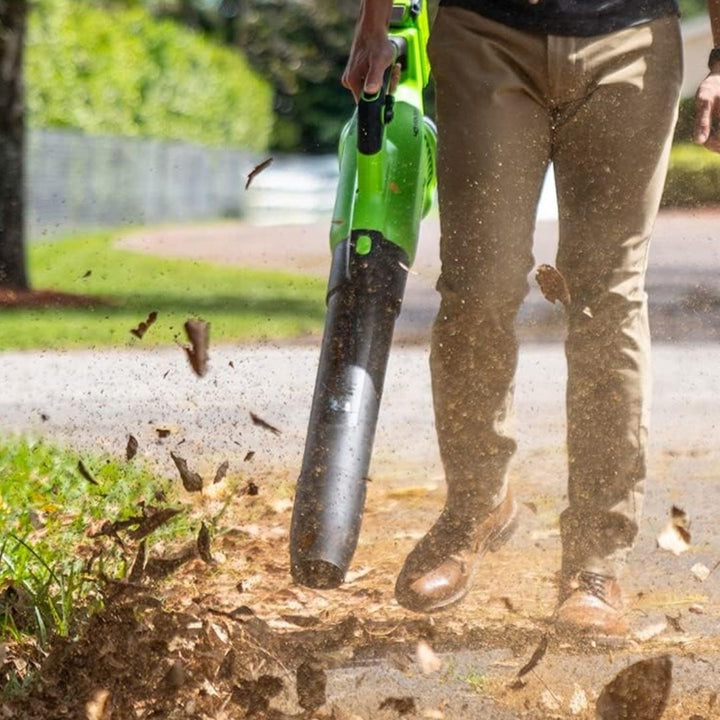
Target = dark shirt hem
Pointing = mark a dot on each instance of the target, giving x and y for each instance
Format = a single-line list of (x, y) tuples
[(545, 20)]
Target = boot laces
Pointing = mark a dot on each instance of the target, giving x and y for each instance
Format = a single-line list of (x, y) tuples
[(593, 584)]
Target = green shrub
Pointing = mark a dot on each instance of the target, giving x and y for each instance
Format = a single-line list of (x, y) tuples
[(119, 71), (693, 177)]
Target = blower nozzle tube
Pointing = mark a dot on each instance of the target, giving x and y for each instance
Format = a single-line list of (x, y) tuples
[(367, 282)]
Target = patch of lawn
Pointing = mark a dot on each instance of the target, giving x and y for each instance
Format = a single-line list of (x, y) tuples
[(49, 563), (240, 304)]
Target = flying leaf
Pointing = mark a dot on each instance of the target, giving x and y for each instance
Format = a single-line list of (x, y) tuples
[(221, 471), (552, 284), (257, 170), (131, 448), (203, 544), (639, 692), (86, 473), (256, 420), (198, 333), (675, 536), (143, 327), (192, 482)]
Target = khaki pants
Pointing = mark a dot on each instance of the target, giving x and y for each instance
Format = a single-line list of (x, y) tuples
[(602, 110)]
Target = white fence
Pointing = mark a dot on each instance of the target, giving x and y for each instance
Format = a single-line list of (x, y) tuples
[(76, 180)]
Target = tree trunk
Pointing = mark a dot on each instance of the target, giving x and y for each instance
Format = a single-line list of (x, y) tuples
[(13, 14)]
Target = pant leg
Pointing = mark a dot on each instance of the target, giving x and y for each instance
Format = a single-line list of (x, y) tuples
[(610, 152), (493, 151)]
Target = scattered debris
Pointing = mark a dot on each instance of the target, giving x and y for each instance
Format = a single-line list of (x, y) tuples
[(162, 433), (650, 631), (152, 518), (221, 471), (203, 544), (144, 326), (311, 683), (552, 285), (674, 622), (536, 657), (97, 707), (137, 571), (428, 661), (257, 420), (257, 170), (254, 695), (639, 692), (198, 333), (249, 455), (578, 702), (191, 481), (700, 571), (176, 675), (550, 701), (131, 448), (86, 274), (675, 536), (44, 417), (401, 705)]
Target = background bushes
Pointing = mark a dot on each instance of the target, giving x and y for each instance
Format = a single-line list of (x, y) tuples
[(117, 70)]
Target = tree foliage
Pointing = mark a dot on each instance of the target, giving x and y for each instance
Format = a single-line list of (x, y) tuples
[(112, 68)]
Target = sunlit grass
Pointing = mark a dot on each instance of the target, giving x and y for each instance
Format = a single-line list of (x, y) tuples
[(50, 567), (240, 304)]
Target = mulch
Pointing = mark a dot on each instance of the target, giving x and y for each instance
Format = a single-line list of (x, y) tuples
[(29, 298)]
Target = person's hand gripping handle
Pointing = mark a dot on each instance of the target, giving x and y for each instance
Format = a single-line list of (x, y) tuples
[(372, 52)]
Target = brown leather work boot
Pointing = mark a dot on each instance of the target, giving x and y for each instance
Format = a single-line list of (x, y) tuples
[(438, 572), (591, 604)]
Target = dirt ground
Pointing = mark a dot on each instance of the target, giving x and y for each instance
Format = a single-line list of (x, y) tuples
[(230, 636)]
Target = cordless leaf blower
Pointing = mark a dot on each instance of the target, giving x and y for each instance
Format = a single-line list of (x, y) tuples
[(386, 184)]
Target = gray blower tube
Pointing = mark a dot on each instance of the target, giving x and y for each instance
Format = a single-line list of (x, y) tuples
[(364, 297)]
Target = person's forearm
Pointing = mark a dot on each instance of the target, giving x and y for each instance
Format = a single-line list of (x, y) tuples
[(375, 14)]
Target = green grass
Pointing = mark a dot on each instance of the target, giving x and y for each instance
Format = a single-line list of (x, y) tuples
[(240, 304), (49, 565), (693, 177)]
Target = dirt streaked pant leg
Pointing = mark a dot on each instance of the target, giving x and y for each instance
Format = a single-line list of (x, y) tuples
[(615, 107), (494, 148)]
